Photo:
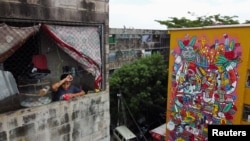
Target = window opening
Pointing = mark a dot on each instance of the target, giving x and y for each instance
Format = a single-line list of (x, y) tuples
[(246, 113)]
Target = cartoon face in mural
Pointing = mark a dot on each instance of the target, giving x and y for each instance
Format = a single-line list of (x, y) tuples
[(203, 89), (187, 49)]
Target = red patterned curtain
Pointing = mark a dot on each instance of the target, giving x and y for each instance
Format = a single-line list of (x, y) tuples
[(12, 38), (82, 44)]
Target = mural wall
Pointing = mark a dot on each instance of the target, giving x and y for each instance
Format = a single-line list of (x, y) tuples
[(204, 79)]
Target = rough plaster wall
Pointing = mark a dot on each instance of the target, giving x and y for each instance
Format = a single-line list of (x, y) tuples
[(84, 119), (88, 11)]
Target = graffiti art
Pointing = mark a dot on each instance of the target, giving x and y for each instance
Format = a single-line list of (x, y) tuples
[(204, 80)]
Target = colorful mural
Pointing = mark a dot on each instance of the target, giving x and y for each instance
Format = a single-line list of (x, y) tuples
[(204, 79)]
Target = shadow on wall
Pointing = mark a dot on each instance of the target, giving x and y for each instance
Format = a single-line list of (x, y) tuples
[(84, 79)]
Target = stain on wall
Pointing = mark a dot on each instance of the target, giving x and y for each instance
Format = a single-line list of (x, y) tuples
[(90, 6), (203, 85), (91, 11)]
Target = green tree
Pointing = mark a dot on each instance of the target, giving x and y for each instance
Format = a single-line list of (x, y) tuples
[(200, 21), (247, 22), (143, 85)]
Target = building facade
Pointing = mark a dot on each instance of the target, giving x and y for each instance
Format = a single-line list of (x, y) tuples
[(126, 45), (69, 36)]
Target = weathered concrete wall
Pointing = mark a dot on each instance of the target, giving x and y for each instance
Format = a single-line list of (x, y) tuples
[(83, 119), (88, 11)]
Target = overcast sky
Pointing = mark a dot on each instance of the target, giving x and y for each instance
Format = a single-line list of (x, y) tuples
[(140, 14)]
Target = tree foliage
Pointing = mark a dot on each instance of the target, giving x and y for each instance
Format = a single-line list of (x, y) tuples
[(200, 21), (142, 83)]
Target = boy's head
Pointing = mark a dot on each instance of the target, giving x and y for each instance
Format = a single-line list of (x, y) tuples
[(64, 76), (66, 84)]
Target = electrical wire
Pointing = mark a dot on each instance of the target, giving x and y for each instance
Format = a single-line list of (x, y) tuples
[(123, 100)]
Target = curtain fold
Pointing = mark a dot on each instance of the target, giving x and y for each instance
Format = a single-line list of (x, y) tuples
[(12, 38), (82, 44)]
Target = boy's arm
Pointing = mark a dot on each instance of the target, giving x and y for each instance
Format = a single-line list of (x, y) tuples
[(56, 85), (81, 93)]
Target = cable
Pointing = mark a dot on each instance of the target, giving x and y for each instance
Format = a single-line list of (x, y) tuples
[(59, 66), (123, 100), (124, 114)]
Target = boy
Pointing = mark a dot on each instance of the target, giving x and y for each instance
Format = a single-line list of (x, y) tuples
[(64, 90)]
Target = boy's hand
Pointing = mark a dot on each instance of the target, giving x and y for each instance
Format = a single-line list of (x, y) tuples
[(66, 96), (69, 78)]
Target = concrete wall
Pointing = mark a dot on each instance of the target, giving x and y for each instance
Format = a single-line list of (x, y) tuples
[(84, 119), (88, 11)]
